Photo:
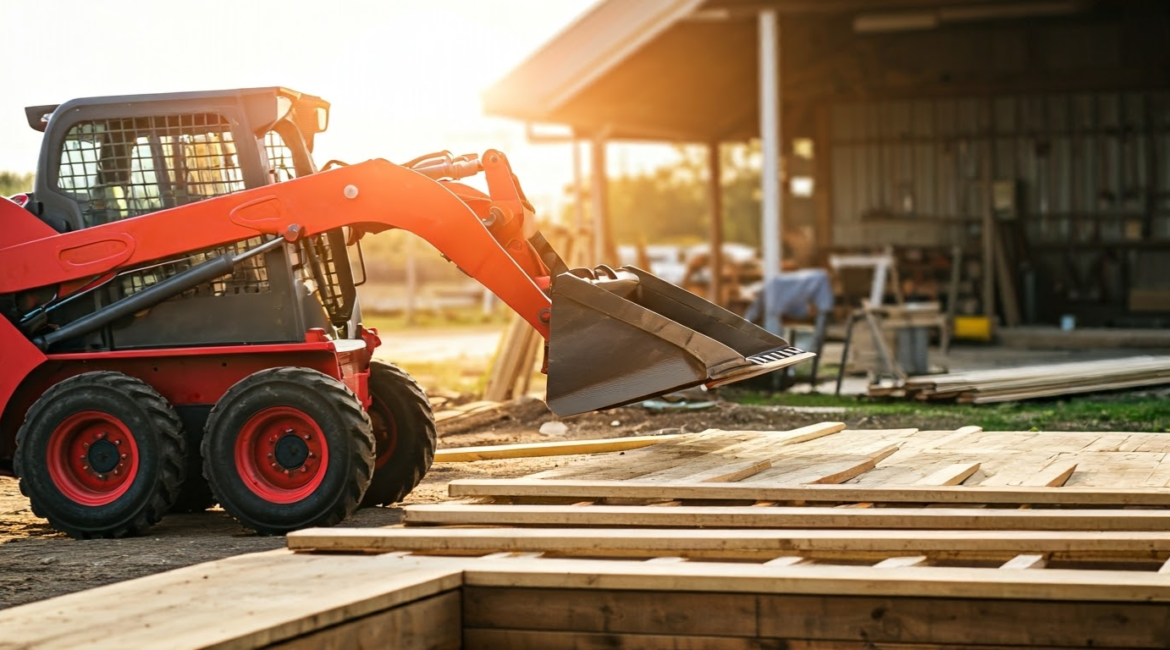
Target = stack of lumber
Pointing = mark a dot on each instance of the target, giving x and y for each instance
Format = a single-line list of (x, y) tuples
[(1030, 382), (818, 538)]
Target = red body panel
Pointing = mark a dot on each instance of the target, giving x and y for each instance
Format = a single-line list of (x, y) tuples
[(184, 375), (20, 225)]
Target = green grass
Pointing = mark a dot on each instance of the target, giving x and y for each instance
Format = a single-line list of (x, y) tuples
[(1123, 412)]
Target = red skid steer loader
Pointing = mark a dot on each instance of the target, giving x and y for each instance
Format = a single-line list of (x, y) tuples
[(180, 324)]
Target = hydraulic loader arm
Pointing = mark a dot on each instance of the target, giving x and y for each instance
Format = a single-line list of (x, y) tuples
[(372, 196)]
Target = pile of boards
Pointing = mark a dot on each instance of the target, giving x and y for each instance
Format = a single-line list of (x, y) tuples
[(1031, 382), (818, 538)]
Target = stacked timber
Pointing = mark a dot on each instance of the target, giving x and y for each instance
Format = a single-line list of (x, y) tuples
[(1031, 382)]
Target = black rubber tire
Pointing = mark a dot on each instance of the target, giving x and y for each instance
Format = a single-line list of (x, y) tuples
[(157, 434), (397, 398), (339, 415)]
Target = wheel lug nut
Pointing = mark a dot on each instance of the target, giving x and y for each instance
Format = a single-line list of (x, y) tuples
[(102, 476), (312, 455), (117, 442), (272, 464), (85, 445), (308, 437), (83, 457), (116, 472), (101, 436), (125, 456), (304, 470), (270, 454)]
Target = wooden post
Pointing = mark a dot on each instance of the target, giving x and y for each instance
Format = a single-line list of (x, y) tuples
[(600, 199), (580, 254), (988, 275), (769, 58), (715, 197)]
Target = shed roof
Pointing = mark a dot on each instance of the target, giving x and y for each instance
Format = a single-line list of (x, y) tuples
[(686, 70)]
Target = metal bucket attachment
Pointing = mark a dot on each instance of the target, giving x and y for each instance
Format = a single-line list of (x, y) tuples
[(619, 337)]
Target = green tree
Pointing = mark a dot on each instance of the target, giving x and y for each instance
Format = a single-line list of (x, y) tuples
[(15, 183), (670, 204)]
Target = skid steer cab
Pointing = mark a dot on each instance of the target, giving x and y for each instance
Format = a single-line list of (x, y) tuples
[(180, 324)]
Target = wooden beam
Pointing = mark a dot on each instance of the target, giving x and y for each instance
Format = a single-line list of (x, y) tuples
[(853, 471), (715, 209), (1029, 561), (736, 544), (789, 560), (788, 517), (1055, 475), (1007, 495), (558, 448), (838, 623), (901, 562), (952, 475), (726, 578)]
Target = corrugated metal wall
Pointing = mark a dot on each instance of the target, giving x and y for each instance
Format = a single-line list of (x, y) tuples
[(1091, 175)]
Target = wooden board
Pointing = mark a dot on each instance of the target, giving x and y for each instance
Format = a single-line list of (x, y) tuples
[(496, 615), (556, 448), (787, 517), (600, 490), (738, 544), (246, 601)]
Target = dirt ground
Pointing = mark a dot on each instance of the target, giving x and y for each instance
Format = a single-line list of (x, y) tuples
[(37, 562)]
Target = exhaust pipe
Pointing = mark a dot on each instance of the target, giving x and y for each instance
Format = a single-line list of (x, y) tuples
[(619, 337)]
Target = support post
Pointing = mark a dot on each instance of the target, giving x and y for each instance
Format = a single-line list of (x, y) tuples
[(769, 56), (715, 197), (600, 200), (580, 251)]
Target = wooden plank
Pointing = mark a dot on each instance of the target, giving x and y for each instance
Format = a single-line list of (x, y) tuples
[(952, 475), (901, 562), (787, 517), (1028, 561), (1055, 475), (790, 560), (820, 616), (488, 639), (702, 448), (267, 592), (411, 627), (1008, 495), (823, 470), (557, 448), (744, 544), (511, 639)]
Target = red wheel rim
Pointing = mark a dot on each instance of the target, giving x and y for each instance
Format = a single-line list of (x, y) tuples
[(92, 458), (385, 432), (281, 454)]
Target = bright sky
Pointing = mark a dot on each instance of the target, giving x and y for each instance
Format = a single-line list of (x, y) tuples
[(404, 76)]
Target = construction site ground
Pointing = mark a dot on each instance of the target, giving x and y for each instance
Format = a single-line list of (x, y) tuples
[(36, 562)]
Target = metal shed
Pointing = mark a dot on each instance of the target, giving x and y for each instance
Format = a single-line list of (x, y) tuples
[(1035, 134)]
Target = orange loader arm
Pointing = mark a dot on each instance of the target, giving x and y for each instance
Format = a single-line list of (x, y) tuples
[(372, 197)]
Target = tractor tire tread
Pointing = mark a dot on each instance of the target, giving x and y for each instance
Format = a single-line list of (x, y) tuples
[(391, 487), (348, 408), (167, 423)]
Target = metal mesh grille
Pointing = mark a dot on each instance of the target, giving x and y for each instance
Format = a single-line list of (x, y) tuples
[(324, 267), (249, 276), (127, 167), (280, 158)]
